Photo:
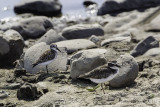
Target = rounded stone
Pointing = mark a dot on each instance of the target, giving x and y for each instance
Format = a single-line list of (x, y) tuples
[(87, 60), (82, 31), (16, 45), (51, 37), (4, 46), (33, 54), (33, 27), (127, 72)]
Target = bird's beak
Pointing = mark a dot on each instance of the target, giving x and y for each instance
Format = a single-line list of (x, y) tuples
[(58, 49)]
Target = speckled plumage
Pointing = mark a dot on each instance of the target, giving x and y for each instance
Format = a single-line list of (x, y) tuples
[(46, 56), (100, 72)]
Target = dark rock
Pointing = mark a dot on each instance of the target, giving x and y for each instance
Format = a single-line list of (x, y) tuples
[(51, 37), (88, 3), (82, 31), (33, 27), (15, 42), (4, 46), (18, 73), (125, 5), (39, 7), (1, 104), (141, 65), (29, 92), (144, 45)]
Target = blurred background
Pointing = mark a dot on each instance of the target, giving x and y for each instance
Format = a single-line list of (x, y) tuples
[(68, 7)]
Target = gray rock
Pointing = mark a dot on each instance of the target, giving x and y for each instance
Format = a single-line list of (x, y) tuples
[(82, 31), (153, 26), (4, 46), (12, 86), (75, 44), (125, 5), (39, 7), (33, 27), (29, 92), (153, 52), (123, 34), (115, 39), (128, 71), (144, 45), (51, 37), (14, 44), (87, 60), (34, 52)]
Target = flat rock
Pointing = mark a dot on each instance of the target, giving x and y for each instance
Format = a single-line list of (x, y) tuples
[(87, 60), (39, 7), (115, 39), (12, 86), (51, 37), (153, 26), (153, 52), (112, 6), (75, 44), (82, 31), (34, 52), (127, 72), (144, 45), (33, 27), (13, 43)]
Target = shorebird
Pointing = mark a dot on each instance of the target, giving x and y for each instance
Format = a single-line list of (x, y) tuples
[(47, 57), (102, 74)]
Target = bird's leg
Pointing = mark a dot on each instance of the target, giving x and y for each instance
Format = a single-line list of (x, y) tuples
[(47, 68), (102, 88)]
